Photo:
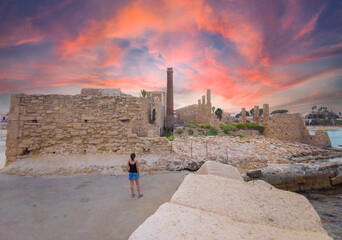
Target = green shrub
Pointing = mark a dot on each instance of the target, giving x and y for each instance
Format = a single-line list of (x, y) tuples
[(214, 131), (280, 111), (247, 125), (179, 130), (240, 136), (167, 135), (195, 134), (192, 125), (210, 134), (232, 135), (171, 138), (205, 126), (248, 141), (222, 126), (191, 131), (223, 135), (184, 138)]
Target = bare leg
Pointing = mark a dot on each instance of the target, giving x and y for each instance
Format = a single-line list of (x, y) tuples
[(138, 186), (132, 187)]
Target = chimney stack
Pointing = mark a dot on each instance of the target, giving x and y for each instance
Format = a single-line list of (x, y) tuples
[(169, 99)]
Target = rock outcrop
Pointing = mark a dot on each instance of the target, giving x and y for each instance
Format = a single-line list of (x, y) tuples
[(214, 207), (300, 177), (221, 170)]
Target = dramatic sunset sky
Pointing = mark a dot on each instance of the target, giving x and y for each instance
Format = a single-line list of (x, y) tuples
[(285, 53)]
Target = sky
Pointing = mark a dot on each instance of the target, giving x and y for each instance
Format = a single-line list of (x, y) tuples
[(285, 53)]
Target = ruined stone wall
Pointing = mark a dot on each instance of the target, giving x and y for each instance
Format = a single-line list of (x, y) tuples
[(290, 127), (78, 124), (187, 113)]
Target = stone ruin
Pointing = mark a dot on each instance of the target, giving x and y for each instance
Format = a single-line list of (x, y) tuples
[(109, 121), (287, 127), (96, 121), (200, 113)]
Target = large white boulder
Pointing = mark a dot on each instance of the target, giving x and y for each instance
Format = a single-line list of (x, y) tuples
[(219, 169), (173, 221), (248, 203)]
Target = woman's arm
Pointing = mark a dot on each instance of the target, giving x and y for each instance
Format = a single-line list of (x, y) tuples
[(127, 167), (138, 168)]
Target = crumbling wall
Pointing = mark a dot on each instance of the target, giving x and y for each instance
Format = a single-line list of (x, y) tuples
[(187, 113), (78, 124), (290, 127)]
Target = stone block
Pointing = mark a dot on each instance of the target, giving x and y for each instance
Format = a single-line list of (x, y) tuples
[(254, 173), (260, 183), (336, 180), (173, 221), (248, 203), (219, 169)]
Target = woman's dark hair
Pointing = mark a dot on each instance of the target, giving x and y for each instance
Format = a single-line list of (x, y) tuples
[(132, 156)]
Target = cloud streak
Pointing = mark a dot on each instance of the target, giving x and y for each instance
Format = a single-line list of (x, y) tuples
[(245, 51)]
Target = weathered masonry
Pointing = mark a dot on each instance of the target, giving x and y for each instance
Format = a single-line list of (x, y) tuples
[(97, 121), (290, 127), (287, 127)]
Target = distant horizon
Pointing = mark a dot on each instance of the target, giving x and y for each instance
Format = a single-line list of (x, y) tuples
[(73, 90), (248, 52)]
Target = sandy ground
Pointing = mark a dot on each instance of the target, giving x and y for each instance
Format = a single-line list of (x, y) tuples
[(79, 207)]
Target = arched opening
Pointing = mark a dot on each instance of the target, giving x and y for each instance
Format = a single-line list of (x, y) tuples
[(153, 115)]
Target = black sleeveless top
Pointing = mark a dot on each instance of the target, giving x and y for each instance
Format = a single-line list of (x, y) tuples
[(132, 167)]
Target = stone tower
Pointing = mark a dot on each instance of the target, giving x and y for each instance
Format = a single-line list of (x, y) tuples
[(243, 115), (169, 100), (256, 115), (266, 113)]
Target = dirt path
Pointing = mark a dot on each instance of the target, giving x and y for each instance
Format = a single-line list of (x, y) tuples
[(79, 207)]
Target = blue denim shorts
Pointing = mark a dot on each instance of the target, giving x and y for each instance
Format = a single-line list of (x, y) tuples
[(133, 176)]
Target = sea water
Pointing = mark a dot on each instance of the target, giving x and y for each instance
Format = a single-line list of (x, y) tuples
[(335, 136), (328, 204)]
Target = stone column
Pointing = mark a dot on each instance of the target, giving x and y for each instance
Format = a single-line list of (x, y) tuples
[(169, 120), (199, 102), (208, 96), (243, 115), (13, 131), (203, 100), (256, 115), (169, 100), (266, 113)]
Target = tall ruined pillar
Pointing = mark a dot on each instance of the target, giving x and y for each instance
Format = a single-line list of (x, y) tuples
[(169, 100), (208, 96), (243, 115), (203, 100), (266, 113), (256, 115)]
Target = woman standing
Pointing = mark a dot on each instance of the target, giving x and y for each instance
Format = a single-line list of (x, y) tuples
[(134, 174)]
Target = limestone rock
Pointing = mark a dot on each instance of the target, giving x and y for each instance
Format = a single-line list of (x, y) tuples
[(221, 170), (261, 183), (254, 173), (246, 203), (173, 221)]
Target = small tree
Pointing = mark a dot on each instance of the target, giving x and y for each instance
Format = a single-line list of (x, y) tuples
[(213, 109), (314, 108), (251, 111), (219, 113), (143, 93)]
